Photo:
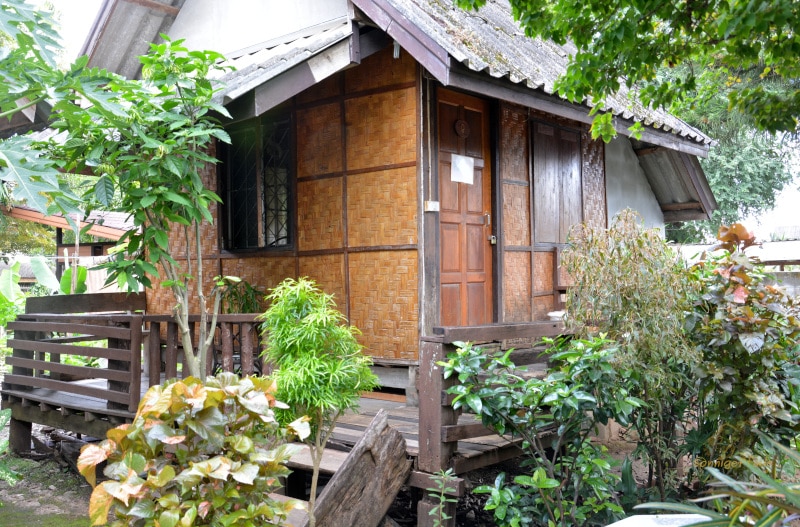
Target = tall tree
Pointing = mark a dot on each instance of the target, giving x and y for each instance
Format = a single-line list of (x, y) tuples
[(627, 41)]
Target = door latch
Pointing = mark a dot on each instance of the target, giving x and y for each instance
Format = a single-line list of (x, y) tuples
[(493, 240)]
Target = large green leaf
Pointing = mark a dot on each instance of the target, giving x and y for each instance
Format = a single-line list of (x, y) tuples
[(44, 275)]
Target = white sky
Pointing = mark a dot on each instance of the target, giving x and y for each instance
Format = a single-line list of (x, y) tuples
[(76, 17)]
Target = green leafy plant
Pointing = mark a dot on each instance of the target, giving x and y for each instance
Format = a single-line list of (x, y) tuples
[(147, 142), (571, 482), (203, 454), (762, 498), (747, 332), (631, 286), (320, 370), (6, 474), (240, 296), (441, 494)]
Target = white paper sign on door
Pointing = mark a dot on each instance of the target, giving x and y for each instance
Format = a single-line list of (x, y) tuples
[(462, 169)]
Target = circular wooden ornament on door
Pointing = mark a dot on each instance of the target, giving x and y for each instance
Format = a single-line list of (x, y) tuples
[(462, 128)]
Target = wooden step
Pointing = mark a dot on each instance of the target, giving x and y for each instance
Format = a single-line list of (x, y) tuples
[(301, 459), (296, 516)]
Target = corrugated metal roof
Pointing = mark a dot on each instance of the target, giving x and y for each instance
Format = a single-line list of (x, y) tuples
[(274, 58), (490, 41)]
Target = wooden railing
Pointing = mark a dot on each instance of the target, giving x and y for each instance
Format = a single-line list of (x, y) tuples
[(439, 431), (114, 352), (42, 342)]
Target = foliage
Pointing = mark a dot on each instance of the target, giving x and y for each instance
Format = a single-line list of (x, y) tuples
[(240, 296), (11, 296), (195, 454), (47, 278), (631, 286), (30, 76), (627, 42), (762, 498), (147, 144), (440, 493), (320, 370), (746, 169), (26, 237), (571, 482), (747, 332), (6, 473)]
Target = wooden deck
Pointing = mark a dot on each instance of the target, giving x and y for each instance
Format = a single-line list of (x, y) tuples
[(91, 416), (135, 351)]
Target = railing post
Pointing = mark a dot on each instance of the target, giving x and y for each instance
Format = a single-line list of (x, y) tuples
[(19, 432), (171, 352), (226, 336), (154, 349), (434, 413), (247, 351), (135, 386)]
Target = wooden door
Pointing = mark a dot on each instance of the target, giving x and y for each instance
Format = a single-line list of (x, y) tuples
[(465, 196)]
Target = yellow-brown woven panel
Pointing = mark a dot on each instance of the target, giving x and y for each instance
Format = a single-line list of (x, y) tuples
[(517, 286), (384, 302), (328, 272), (382, 208), (542, 305), (265, 273), (380, 69), (381, 129), (330, 87), (514, 143), (542, 271), (319, 140), (516, 214), (594, 184), (319, 214)]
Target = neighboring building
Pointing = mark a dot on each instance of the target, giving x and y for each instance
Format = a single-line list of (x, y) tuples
[(409, 156)]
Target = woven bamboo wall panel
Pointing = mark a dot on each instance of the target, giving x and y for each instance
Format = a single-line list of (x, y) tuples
[(514, 143), (319, 140), (330, 87), (382, 208), (543, 271), (517, 286), (379, 70), (384, 304), (328, 272), (320, 223), (381, 129), (594, 181), (516, 215), (265, 273), (542, 305)]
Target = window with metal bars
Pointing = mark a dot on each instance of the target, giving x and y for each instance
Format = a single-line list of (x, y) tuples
[(256, 179)]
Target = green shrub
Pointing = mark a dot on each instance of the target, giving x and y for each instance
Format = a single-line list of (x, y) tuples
[(571, 482), (631, 286), (320, 370), (747, 332), (195, 454)]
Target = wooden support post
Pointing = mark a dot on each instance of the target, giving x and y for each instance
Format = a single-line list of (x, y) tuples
[(171, 353), (434, 410), (226, 336), (429, 503), (19, 436)]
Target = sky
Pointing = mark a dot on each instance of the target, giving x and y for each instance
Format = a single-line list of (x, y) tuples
[(76, 17)]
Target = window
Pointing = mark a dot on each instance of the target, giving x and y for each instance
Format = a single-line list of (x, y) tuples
[(257, 176), (556, 182)]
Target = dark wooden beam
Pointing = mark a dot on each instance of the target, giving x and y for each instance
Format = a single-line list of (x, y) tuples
[(691, 205), (492, 332)]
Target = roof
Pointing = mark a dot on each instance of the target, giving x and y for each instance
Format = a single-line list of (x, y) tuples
[(103, 224), (483, 52), (489, 41)]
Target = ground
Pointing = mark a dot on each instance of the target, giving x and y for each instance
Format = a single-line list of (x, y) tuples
[(50, 494)]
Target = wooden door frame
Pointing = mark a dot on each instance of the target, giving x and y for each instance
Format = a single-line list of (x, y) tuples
[(489, 151)]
